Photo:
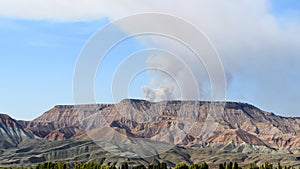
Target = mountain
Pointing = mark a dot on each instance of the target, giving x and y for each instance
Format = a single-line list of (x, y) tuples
[(170, 131), (239, 122), (11, 132), (83, 150), (60, 122)]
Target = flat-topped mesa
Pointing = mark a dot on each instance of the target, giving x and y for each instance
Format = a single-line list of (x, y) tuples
[(200, 130), (64, 106), (78, 106), (240, 122)]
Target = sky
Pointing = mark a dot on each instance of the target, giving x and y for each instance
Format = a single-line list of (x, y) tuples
[(258, 42)]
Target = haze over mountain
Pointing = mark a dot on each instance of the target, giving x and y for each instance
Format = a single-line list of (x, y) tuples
[(213, 129)]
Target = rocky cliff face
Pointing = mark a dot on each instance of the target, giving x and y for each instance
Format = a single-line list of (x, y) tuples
[(11, 132), (214, 132), (176, 122), (61, 122)]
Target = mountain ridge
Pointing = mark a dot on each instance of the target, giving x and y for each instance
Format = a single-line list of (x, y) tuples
[(11, 132), (62, 121), (240, 132)]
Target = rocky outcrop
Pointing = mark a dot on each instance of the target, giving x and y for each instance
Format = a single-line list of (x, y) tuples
[(61, 122), (11, 132), (64, 133), (80, 151), (197, 131), (176, 122)]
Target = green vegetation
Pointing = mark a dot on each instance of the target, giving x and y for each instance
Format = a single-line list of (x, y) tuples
[(91, 165), (157, 166), (230, 165), (52, 165)]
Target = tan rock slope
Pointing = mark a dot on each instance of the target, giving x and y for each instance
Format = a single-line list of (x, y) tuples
[(176, 122)]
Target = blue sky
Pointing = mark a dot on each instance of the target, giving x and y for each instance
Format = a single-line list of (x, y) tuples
[(37, 63), (282, 7), (38, 58)]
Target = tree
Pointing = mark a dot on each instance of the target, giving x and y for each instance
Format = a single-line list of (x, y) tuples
[(194, 166), (139, 167), (235, 165), (267, 165), (124, 165), (181, 166), (163, 165), (151, 166), (253, 166), (279, 165), (204, 166), (221, 166), (229, 165)]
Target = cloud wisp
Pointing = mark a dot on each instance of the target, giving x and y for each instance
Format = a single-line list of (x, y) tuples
[(259, 50)]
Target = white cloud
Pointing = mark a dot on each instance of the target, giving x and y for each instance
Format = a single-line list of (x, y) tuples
[(159, 94), (251, 41), (68, 10)]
